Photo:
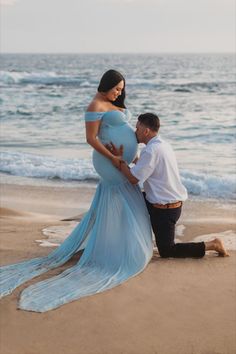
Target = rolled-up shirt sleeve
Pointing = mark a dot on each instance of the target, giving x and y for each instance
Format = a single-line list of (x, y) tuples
[(144, 166)]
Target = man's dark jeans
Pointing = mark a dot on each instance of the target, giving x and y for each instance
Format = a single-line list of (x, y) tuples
[(163, 224)]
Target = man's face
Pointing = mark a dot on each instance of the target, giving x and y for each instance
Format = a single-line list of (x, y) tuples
[(141, 132)]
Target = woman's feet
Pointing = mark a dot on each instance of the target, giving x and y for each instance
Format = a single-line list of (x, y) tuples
[(218, 246)]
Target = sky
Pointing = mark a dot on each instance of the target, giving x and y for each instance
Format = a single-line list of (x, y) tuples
[(123, 26)]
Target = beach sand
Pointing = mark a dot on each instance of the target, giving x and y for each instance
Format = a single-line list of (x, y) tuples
[(176, 306)]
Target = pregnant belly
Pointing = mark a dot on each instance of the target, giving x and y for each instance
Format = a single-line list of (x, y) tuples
[(119, 136)]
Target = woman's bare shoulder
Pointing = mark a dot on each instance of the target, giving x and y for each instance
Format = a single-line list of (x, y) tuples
[(96, 106)]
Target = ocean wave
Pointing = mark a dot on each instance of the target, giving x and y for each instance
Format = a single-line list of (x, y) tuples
[(48, 78), (211, 86), (40, 166), (41, 78), (185, 87), (184, 90), (209, 186)]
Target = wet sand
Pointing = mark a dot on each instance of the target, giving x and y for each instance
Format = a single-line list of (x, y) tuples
[(182, 306)]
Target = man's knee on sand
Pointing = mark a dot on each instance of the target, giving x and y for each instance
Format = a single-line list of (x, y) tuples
[(165, 251)]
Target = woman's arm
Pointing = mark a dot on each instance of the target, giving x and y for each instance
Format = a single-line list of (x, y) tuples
[(92, 129)]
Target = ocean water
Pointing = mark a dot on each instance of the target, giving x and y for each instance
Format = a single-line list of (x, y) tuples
[(43, 99)]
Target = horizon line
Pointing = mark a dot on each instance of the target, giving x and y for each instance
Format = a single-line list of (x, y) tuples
[(86, 53)]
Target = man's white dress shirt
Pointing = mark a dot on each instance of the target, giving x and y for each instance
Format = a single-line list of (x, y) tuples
[(157, 169)]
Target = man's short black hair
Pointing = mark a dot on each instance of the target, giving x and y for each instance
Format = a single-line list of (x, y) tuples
[(150, 121)]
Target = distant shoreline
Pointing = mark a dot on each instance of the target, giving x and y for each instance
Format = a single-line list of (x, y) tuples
[(122, 53)]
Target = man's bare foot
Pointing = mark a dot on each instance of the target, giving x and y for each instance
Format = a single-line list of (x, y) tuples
[(218, 246)]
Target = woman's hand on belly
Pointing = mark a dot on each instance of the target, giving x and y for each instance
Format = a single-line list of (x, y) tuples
[(115, 150)]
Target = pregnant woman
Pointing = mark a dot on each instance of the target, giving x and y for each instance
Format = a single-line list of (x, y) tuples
[(115, 233)]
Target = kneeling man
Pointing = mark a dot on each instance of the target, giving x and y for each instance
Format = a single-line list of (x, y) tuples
[(164, 192)]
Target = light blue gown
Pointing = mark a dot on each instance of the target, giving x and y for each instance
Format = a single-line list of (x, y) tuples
[(115, 234)]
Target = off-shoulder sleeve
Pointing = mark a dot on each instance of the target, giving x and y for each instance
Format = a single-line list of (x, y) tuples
[(93, 116)]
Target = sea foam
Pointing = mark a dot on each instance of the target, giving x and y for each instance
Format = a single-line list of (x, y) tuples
[(40, 78), (46, 167)]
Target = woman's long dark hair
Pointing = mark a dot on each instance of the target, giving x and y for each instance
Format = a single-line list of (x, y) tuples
[(109, 80)]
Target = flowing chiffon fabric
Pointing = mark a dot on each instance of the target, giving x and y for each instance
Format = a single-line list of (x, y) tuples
[(115, 234)]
